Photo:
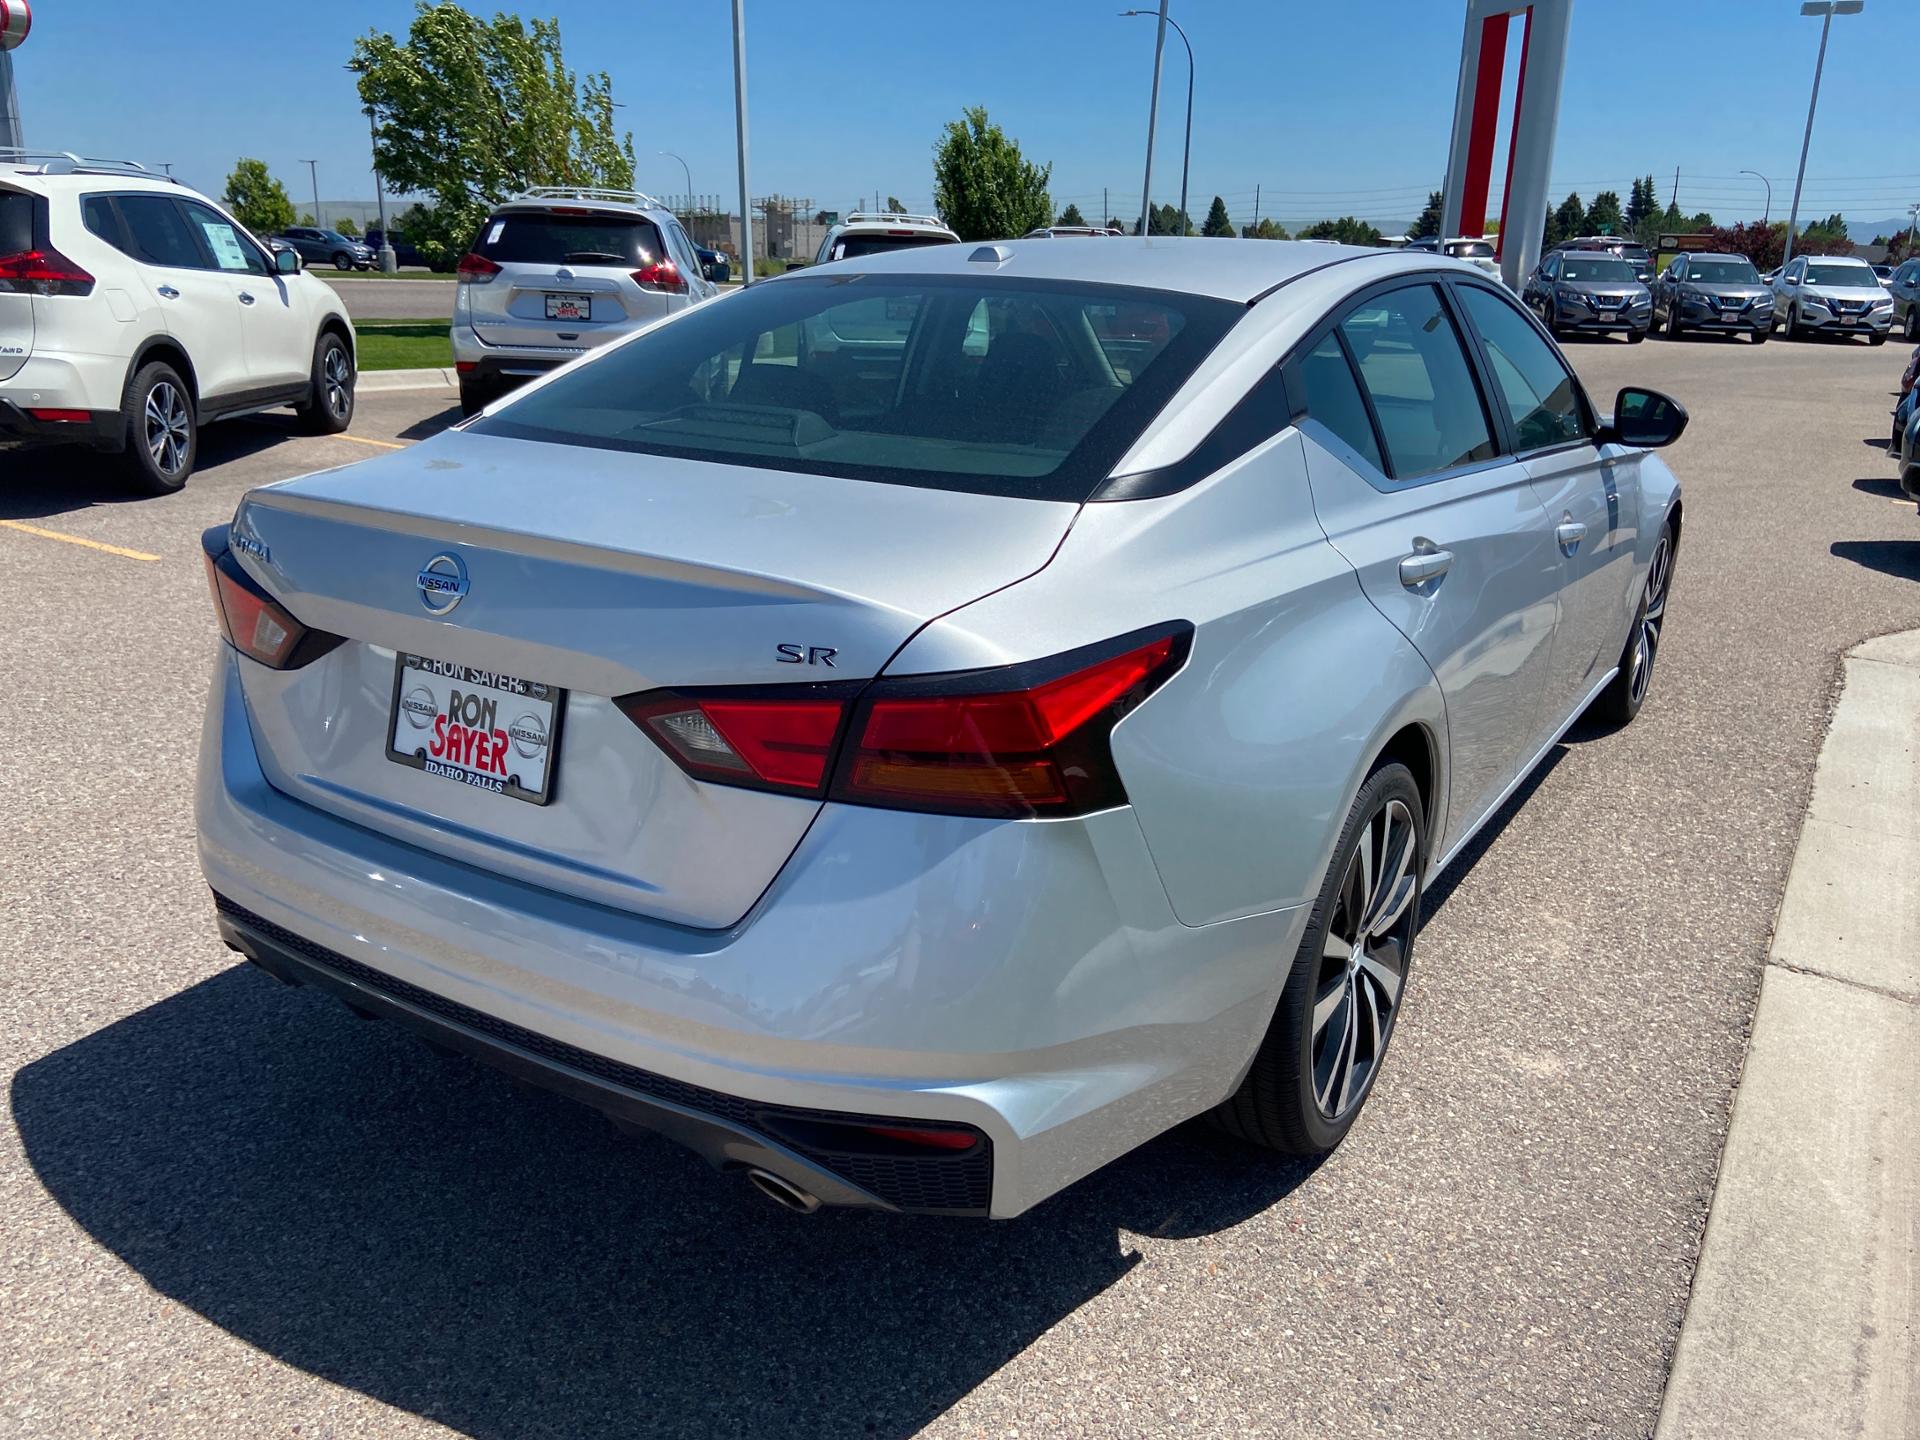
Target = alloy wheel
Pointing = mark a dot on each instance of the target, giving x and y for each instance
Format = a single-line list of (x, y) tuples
[(1363, 964), (1646, 639), (168, 428), (337, 374)]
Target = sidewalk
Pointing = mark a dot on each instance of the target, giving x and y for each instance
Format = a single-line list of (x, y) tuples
[(374, 381), (1802, 1320)]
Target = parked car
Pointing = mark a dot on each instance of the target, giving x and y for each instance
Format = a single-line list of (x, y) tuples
[(559, 271), (916, 765), (134, 310), (1884, 273), (1589, 292), (1477, 253), (1067, 232), (404, 251), (1631, 251), (875, 232), (327, 247), (715, 265), (1831, 294), (1719, 293), (1904, 287)]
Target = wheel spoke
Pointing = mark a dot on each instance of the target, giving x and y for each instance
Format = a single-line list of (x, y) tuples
[(1393, 887), (1394, 905), (1338, 1056), (1329, 1002), (1382, 974), (1337, 948)]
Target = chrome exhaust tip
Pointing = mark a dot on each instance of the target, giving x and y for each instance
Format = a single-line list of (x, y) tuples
[(783, 1192)]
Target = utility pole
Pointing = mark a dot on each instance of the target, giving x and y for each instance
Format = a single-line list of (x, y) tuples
[(1675, 202), (389, 261), (1153, 120), (740, 127), (1826, 9), (1256, 205), (313, 169)]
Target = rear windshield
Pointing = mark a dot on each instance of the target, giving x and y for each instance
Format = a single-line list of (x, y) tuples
[(1857, 273), (541, 238), (849, 247), (1723, 272), (1635, 254), (16, 222), (989, 385), (1470, 250), (1594, 267)]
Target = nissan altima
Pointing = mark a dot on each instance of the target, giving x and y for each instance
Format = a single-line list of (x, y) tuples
[(922, 728)]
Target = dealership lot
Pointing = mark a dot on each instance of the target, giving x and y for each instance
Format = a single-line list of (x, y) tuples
[(215, 1192)]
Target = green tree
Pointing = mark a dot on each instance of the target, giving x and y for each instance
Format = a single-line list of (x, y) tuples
[(1218, 222), (257, 200), (306, 218), (1346, 231), (470, 111), (1568, 219), (896, 205), (347, 228), (1071, 216), (1267, 229), (1429, 221), (982, 185), (1824, 237), (1603, 216), (1640, 203)]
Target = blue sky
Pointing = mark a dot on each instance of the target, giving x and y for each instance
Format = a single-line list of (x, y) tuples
[(1332, 107)]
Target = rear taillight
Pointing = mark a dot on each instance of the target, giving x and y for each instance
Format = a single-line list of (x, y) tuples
[(256, 624), (42, 272), (475, 269), (1024, 740), (662, 275)]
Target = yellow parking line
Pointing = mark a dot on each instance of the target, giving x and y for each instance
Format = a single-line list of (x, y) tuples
[(363, 440), (77, 540)]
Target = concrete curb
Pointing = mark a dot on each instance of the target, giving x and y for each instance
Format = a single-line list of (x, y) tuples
[(376, 381), (1803, 1317)]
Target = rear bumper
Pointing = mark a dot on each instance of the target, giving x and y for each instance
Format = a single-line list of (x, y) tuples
[(100, 429), (1025, 979), (59, 381)]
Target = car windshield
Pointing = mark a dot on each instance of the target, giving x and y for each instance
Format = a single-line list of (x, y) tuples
[(1470, 249), (1595, 267), (1635, 254), (1723, 272), (847, 247), (1841, 272), (989, 385), (539, 238)]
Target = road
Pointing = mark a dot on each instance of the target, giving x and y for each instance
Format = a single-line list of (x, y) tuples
[(393, 299), (230, 1209)]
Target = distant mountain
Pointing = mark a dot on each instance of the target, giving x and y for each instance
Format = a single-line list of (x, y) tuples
[(1861, 232)]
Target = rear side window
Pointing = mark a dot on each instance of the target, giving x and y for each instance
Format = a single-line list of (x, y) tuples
[(1332, 396), (157, 232), (16, 222), (1539, 390), (1416, 374), (544, 238), (989, 385)]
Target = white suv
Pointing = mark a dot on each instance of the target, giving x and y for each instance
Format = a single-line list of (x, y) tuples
[(559, 271), (872, 232), (133, 311)]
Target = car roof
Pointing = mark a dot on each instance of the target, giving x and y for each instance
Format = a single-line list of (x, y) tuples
[(1716, 255), (1225, 269), (33, 177)]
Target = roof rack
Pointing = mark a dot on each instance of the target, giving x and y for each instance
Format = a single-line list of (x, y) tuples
[(891, 217), (591, 192), (65, 162)]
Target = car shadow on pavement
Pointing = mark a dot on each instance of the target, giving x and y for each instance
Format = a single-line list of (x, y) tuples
[(43, 482), (1899, 558), (1880, 485), (420, 1230), (433, 424)]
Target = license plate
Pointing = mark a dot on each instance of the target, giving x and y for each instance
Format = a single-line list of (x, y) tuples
[(569, 307), (1607, 316), (495, 732), (1846, 319)]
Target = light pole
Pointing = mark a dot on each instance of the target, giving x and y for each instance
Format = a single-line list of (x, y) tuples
[(740, 129), (684, 170), (313, 168), (389, 262), (1186, 151), (1153, 120), (1767, 218), (1826, 9)]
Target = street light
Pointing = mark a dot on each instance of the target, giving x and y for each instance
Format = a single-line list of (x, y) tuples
[(683, 167), (1153, 121), (389, 261), (1826, 9), (1764, 219), (1186, 153), (313, 168)]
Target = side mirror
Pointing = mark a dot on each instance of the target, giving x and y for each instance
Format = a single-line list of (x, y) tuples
[(1791, 279), (1645, 419), (286, 262)]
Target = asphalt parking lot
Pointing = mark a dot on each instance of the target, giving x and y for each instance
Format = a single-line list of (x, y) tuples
[(230, 1209)]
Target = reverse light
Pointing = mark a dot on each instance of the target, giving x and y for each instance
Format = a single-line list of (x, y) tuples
[(475, 270), (661, 275), (252, 621), (42, 272), (770, 740)]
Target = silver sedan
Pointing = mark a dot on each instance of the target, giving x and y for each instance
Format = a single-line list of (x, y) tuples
[(914, 733)]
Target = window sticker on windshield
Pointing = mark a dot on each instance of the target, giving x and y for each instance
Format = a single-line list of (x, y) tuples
[(493, 235), (228, 252)]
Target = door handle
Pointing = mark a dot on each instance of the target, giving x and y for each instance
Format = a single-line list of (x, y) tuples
[(245, 298), (167, 292), (1570, 533), (1423, 566)]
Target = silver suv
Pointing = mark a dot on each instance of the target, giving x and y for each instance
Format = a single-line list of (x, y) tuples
[(559, 271), (877, 232)]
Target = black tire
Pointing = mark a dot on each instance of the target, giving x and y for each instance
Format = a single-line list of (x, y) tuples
[(343, 261), (329, 407), (474, 397), (1673, 327), (1788, 329), (1621, 700), (1634, 337), (162, 430), (1912, 330), (1280, 1105), (1879, 337), (1760, 337)]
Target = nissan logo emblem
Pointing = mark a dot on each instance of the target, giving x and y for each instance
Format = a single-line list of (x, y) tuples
[(443, 583)]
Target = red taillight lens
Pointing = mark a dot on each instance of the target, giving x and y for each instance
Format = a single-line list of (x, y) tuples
[(43, 272), (475, 269), (60, 417), (930, 1138), (254, 623), (662, 275), (1020, 741), (773, 743)]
